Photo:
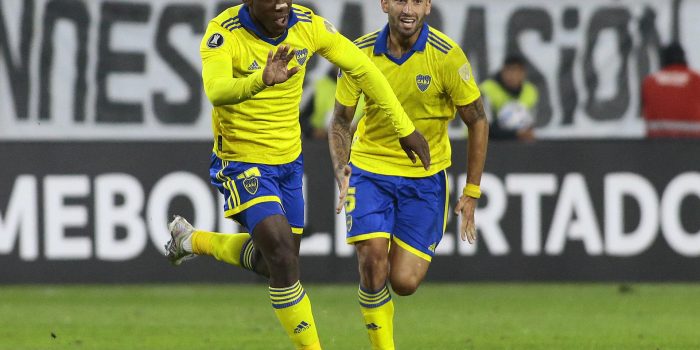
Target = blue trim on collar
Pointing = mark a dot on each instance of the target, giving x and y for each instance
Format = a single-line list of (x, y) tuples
[(381, 45), (247, 23)]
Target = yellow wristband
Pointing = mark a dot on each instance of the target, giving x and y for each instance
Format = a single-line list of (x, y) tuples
[(472, 190)]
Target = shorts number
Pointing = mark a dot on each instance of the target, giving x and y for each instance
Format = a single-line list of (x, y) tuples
[(350, 200)]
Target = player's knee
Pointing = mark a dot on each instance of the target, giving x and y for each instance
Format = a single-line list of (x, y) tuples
[(404, 286)]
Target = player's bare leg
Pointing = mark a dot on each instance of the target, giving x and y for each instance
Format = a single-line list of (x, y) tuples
[(259, 264), (373, 262), (273, 237), (407, 270), (375, 299)]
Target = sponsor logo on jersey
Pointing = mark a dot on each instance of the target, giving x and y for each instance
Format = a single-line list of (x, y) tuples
[(215, 40), (348, 222), (432, 247), (423, 81), (254, 65)]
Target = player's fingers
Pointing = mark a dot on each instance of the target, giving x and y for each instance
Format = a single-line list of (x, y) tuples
[(293, 71), (279, 53), (463, 231), (341, 201), (424, 156), (283, 54), (270, 55), (290, 55), (410, 154), (471, 233)]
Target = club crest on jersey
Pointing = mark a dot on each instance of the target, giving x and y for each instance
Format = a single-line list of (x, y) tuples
[(250, 179), (423, 82), (251, 185), (215, 40), (302, 55)]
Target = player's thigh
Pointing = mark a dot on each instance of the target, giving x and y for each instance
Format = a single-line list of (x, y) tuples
[(407, 270), (292, 194), (420, 224), (369, 206), (251, 191)]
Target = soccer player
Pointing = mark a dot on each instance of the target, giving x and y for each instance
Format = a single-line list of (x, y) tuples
[(253, 66), (397, 211)]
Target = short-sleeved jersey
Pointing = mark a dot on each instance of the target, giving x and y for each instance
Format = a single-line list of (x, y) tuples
[(429, 80), (262, 124)]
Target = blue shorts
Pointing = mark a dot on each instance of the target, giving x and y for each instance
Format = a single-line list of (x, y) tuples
[(412, 212), (252, 192)]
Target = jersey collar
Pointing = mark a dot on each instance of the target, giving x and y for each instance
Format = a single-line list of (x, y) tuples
[(381, 45), (247, 23)]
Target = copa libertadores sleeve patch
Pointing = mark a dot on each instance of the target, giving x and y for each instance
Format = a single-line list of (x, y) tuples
[(464, 72), (215, 40)]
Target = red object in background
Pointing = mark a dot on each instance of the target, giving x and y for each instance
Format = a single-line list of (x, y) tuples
[(671, 102)]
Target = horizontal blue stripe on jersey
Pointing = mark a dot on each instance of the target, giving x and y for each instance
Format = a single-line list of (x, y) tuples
[(437, 47), (371, 37), (298, 10), (229, 21), (445, 47), (440, 40), (232, 24), (234, 27), (305, 20), (366, 45)]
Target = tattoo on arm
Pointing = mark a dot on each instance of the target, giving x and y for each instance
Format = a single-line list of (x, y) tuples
[(472, 112), (340, 137)]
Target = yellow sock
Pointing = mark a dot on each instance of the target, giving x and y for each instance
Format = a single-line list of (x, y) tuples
[(293, 309), (235, 249), (378, 311)]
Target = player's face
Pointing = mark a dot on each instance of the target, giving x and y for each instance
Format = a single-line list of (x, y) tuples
[(406, 17), (513, 76), (271, 15)]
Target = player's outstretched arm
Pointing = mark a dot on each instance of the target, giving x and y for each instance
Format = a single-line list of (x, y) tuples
[(344, 54), (339, 141), (474, 117)]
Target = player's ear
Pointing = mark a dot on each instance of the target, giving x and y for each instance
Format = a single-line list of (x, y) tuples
[(385, 5), (429, 5)]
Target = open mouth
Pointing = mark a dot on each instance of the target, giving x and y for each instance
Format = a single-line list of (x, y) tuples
[(407, 22), (282, 21)]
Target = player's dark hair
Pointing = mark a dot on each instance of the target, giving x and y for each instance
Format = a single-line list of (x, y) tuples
[(673, 54), (513, 59)]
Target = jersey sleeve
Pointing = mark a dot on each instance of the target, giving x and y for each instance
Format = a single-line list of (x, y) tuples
[(217, 52), (458, 77), (347, 93), (343, 53)]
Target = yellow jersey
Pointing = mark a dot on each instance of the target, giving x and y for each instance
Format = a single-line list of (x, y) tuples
[(429, 80), (254, 123)]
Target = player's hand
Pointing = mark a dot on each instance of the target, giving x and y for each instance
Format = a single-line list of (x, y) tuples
[(276, 71), (416, 143), (465, 208), (342, 177)]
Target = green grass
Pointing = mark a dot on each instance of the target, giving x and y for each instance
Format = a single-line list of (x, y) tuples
[(439, 316)]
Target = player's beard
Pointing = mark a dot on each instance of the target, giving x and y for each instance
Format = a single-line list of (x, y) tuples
[(406, 30)]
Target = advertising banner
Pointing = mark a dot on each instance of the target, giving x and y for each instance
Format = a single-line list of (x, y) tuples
[(130, 69), (550, 211)]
